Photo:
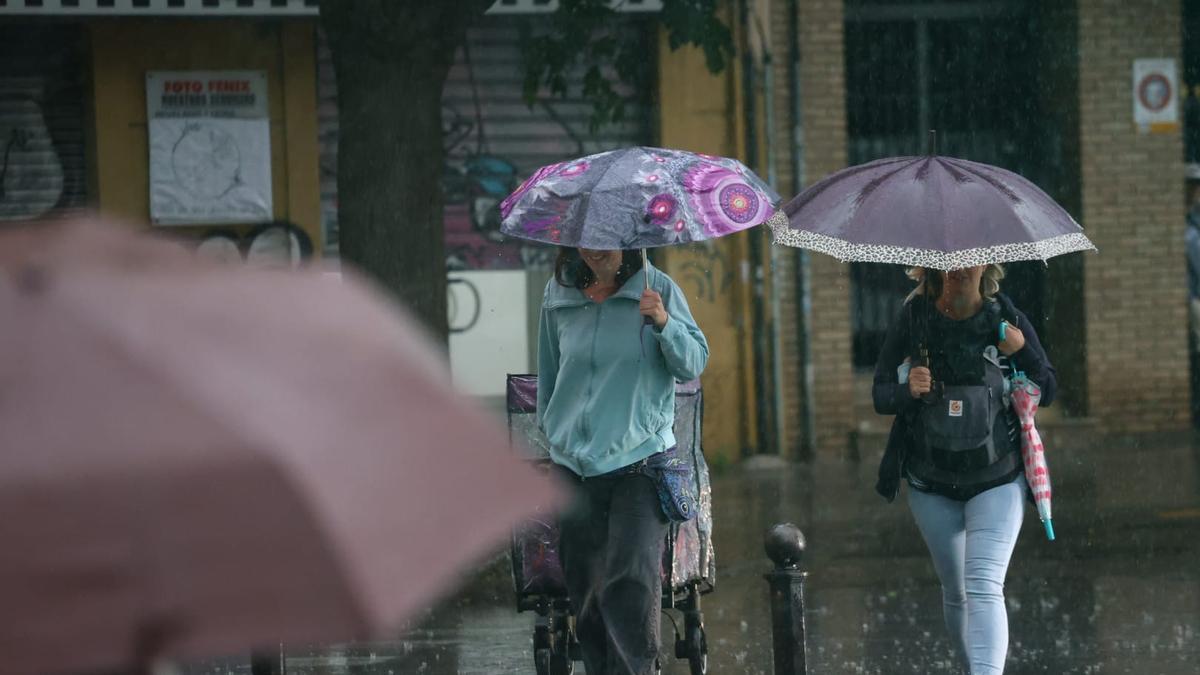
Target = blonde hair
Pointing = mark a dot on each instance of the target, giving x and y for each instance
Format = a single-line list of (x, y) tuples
[(930, 285)]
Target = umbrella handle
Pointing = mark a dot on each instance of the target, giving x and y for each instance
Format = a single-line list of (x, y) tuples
[(923, 362), (646, 321)]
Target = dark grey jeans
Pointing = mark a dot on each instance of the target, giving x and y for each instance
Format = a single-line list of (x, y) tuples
[(612, 548)]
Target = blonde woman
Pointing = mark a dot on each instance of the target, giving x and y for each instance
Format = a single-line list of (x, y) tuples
[(943, 373)]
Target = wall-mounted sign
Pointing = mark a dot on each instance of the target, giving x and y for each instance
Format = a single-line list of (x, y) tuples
[(210, 147), (1155, 95)]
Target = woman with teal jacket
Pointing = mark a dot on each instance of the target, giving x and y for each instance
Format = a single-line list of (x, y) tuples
[(609, 353)]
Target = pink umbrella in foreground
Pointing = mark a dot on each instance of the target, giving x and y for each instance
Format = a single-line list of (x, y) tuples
[(1025, 397), (199, 459)]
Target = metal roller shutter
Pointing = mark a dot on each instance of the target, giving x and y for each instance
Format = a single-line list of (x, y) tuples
[(43, 167), (492, 139)]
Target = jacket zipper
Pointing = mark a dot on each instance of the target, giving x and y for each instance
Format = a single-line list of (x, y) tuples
[(587, 400)]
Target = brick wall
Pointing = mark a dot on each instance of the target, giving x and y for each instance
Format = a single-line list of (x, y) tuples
[(1132, 208), (1065, 326), (823, 118), (784, 270)]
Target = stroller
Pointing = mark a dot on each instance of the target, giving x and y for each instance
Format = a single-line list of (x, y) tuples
[(689, 569)]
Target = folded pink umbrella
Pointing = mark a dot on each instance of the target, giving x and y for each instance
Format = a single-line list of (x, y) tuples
[(1025, 397), (199, 459)]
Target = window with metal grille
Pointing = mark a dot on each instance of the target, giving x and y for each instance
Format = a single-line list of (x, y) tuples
[(966, 69)]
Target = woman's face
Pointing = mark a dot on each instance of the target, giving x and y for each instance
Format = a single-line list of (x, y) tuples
[(604, 264), (960, 282)]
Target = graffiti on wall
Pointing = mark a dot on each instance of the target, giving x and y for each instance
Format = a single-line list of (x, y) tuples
[(278, 244), (492, 139), (31, 171), (474, 182), (707, 271)]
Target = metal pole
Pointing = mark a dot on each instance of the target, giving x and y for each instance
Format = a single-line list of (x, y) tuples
[(762, 394), (773, 255), (808, 430), (785, 546), (267, 662), (646, 321)]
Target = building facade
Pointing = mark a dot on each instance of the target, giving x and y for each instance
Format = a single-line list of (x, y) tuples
[(1044, 89)]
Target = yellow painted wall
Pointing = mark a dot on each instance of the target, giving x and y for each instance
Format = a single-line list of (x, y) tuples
[(123, 51), (699, 112)]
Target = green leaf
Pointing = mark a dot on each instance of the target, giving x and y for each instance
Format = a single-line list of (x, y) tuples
[(589, 34)]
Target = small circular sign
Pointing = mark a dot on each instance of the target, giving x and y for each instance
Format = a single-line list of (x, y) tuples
[(1154, 92)]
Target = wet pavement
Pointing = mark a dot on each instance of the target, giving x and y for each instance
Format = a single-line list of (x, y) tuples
[(1119, 592)]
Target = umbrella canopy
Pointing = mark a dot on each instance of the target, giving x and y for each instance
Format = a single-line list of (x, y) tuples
[(637, 198), (932, 211), (200, 459)]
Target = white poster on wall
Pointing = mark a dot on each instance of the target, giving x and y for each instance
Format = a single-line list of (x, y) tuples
[(489, 338), (1155, 95), (210, 147)]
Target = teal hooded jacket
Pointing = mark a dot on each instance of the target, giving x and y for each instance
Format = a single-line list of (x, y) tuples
[(606, 385)]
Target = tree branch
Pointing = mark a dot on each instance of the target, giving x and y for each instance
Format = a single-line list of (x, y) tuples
[(584, 34)]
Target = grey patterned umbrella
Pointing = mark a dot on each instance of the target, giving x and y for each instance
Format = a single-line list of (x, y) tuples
[(637, 198), (931, 211)]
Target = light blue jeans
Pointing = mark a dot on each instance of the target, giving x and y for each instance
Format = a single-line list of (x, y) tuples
[(972, 543)]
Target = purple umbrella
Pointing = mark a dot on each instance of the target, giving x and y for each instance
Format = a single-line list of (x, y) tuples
[(932, 211), (637, 198)]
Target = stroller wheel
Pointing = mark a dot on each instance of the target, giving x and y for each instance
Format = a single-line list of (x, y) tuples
[(543, 646), (693, 644), (561, 663), (697, 649)]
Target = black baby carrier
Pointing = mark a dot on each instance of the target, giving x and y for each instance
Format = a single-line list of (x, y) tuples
[(964, 434)]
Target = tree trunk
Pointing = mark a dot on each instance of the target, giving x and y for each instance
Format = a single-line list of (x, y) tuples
[(391, 59)]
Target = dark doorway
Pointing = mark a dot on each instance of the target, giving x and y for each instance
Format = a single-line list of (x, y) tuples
[(968, 70)]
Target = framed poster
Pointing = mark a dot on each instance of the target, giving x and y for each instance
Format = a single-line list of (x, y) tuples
[(210, 147)]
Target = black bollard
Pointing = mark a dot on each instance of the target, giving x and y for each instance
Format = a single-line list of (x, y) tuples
[(785, 546), (267, 663)]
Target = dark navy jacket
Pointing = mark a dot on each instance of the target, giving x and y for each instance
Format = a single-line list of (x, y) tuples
[(893, 398)]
